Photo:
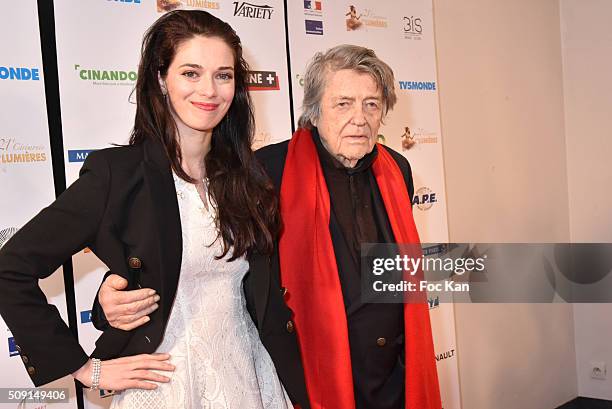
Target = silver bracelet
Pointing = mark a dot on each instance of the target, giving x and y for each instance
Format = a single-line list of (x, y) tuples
[(95, 374)]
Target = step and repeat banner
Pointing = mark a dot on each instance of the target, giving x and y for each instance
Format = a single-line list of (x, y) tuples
[(98, 47), (26, 176), (402, 35)]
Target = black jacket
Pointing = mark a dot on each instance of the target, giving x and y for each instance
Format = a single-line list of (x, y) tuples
[(124, 208), (378, 370)]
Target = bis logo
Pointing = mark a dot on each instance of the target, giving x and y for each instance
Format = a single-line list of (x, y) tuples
[(413, 28), (424, 198)]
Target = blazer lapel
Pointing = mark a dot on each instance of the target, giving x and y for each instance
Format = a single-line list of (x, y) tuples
[(158, 178)]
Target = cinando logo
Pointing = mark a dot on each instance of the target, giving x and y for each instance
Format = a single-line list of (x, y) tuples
[(19, 74), (6, 234), (106, 77)]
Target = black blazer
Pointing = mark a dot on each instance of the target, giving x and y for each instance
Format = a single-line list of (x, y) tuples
[(124, 208)]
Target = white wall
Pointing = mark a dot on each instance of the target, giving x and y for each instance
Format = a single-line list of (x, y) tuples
[(587, 68), (501, 95)]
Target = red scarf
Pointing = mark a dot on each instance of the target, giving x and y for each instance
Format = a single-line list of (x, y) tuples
[(310, 273)]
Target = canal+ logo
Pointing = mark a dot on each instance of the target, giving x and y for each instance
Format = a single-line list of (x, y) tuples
[(19, 73)]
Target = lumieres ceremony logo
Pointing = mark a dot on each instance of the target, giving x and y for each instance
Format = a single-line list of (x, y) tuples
[(419, 136), (13, 152), (106, 77), (169, 5), (250, 10), (356, 20)]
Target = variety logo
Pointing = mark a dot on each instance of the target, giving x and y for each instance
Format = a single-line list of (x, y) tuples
[(445, 355), (424, 198), (314, 27), (79, 155), (262, 81), (12, 347), (106, 77), (12, 152), (6, 234), (250, 10), (417, 86), (19, 73), (413, 28), (169, 5), (85, 317)]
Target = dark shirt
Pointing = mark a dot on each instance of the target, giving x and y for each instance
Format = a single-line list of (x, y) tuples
[(358, 216)]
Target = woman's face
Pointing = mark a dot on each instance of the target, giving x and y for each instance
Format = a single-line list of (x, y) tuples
[(200, 84)]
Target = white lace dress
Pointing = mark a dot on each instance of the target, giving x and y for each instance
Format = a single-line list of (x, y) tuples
[(219, 358)]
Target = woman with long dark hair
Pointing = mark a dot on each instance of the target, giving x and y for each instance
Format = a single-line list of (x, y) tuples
[(185, 210)]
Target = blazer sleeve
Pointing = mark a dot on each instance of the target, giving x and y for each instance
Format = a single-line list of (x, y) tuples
[(46, 345)]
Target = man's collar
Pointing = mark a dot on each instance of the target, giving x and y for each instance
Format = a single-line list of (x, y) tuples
[(328, 161)]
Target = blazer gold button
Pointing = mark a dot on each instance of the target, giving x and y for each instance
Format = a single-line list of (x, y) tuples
[(381, 342), (25, 359), (134, 262), (290, 326), (31, 370)]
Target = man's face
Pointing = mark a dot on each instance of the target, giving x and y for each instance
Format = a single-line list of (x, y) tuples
[(351, 112)]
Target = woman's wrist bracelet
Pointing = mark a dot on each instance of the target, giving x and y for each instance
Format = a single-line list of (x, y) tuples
[(95, 374)]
